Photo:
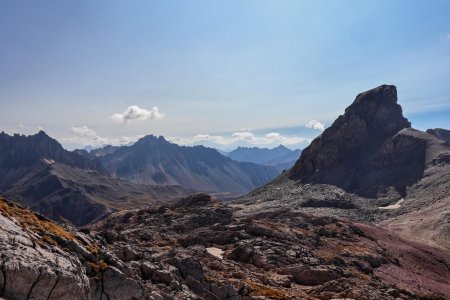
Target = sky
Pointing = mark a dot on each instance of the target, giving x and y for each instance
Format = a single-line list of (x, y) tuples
[(218, 73)]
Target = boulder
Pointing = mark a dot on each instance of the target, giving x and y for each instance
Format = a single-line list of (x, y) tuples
[(114, 284), (31, 271), (198, 199), (313, 275)]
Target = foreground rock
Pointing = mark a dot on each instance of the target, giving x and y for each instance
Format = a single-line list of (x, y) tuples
[(282, 254), (31, 267), (42, 260), (165, 252)]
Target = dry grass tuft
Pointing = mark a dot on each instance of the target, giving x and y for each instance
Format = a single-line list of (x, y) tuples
[(93, 248), (266, 291), (98, 267), (35, 223)]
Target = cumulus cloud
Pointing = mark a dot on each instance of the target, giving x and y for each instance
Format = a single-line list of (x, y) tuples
[(216, 139), (243, 136), (83, 135), (85, 132), (315, 125), (134, 112)]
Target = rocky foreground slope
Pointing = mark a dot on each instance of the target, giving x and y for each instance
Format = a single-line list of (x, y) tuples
[(200, 249)]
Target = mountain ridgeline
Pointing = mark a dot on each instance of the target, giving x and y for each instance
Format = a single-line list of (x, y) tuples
[(153, 160), (37, 172), (81, 187), (281, 157)]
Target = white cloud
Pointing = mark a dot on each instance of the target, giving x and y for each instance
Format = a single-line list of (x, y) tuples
[(84, 132), (84, 135), (216, 139), (244, 136), (315, 125), (136, 113)]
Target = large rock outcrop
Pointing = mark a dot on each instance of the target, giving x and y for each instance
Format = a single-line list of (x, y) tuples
[(40, 259), (30, 267), (362, 151)]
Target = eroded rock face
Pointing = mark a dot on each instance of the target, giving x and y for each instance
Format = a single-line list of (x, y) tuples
[(33, 271), (352, 152), (40, 259)]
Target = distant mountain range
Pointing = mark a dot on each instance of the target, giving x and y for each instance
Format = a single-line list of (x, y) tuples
[(281, 157), (80, 186), (154, 160), (39, 173)]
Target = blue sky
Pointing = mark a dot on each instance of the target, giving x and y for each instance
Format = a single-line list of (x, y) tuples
[(221, 73)]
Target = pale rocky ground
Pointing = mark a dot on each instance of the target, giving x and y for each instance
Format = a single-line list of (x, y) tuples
[(204, 249), (33, 270)]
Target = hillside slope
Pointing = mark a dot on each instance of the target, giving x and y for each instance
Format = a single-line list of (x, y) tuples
[(154, 160), (38, 173)]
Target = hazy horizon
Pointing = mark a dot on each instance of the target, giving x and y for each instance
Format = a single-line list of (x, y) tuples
[(220, 74)]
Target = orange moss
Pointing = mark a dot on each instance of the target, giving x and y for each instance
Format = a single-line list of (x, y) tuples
[(48, 240), (34, 223), (93, 248), (100, 266), (266, 291)]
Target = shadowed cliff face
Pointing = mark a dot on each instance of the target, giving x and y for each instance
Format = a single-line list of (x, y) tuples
[(366, 150)]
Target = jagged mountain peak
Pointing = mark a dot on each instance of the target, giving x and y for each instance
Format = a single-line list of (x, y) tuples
[(379, 110), (372, 118), (151, 139), (352, 152), (154, 160), (18, 152), (281, 147)]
